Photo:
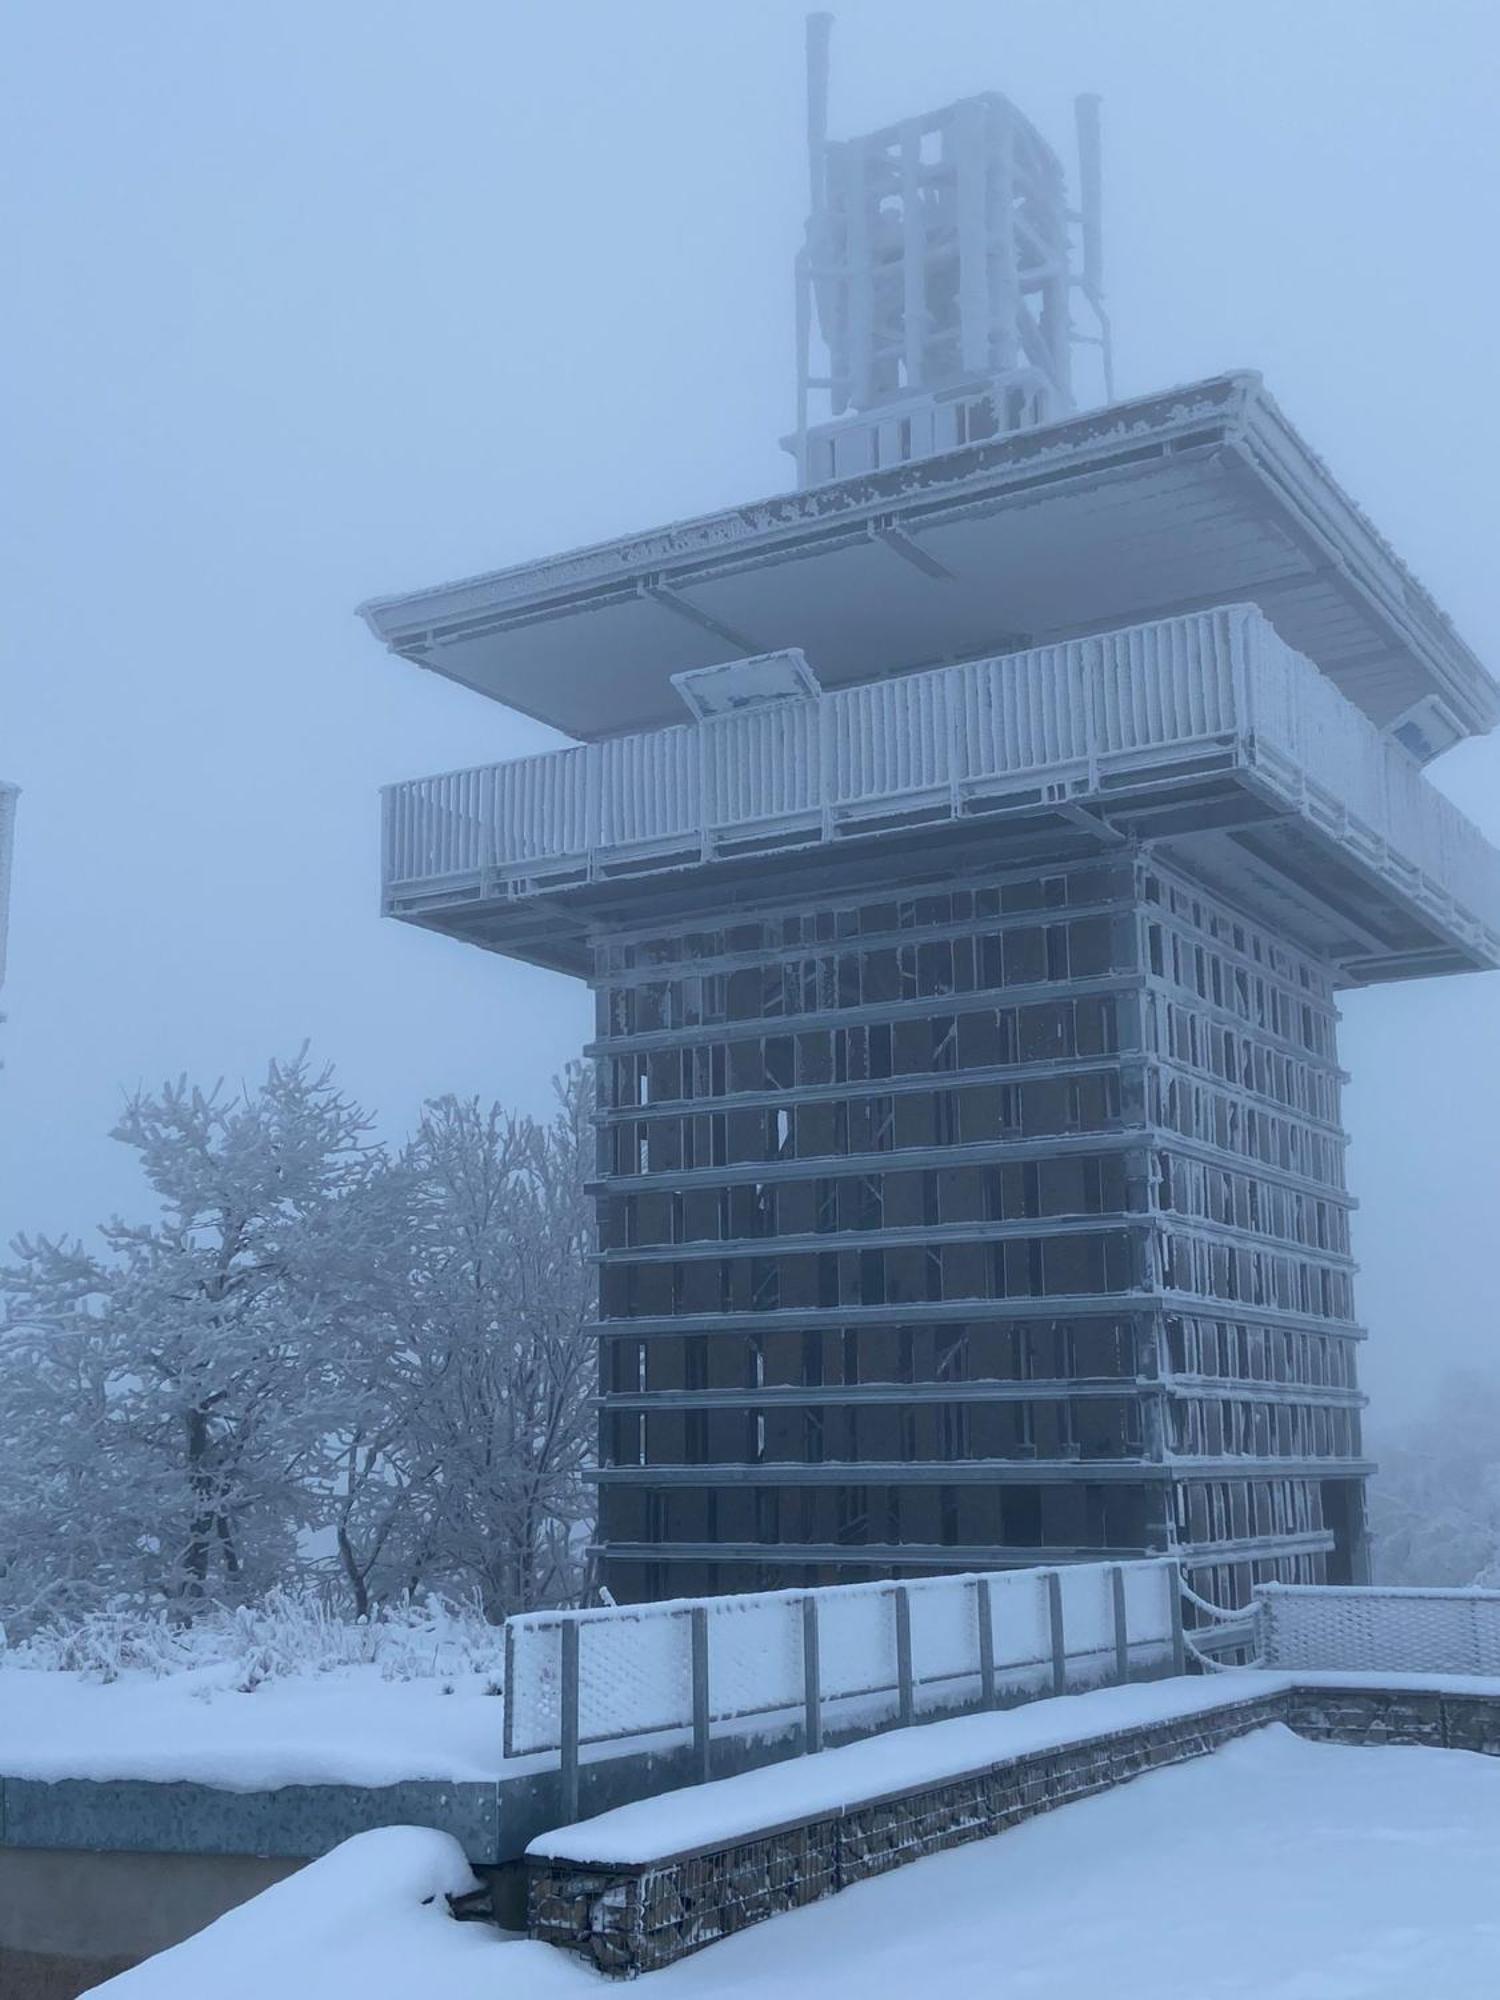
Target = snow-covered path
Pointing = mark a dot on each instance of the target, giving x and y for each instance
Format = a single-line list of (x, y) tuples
[(1276, 1869)]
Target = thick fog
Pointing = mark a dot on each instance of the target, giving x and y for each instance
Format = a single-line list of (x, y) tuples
[(310, 303)]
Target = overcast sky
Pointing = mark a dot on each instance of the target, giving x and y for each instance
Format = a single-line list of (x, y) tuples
[(318, 299)]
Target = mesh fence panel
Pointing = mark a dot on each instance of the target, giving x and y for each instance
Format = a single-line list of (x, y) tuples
[(635, 1673), (1089, 1618), (857, 1640), (1363, 1630), (1149, 1590), (945, 1638), (754, 1654), (1022, 1629), (533, 1685)]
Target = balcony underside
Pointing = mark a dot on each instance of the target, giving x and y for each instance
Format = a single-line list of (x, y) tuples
[(1200, 496)]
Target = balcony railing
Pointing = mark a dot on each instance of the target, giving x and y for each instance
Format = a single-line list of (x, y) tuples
[(1088, 718)]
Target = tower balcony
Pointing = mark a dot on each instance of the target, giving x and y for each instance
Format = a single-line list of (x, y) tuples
[(1205, 734)]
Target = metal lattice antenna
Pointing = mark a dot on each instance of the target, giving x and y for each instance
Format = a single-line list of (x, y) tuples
[(939, 270)]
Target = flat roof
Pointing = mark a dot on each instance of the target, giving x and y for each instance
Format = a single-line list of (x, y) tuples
[(1203, 495)]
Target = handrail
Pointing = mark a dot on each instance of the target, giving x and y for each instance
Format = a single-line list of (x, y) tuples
[(856, 1657), (1118, 705)]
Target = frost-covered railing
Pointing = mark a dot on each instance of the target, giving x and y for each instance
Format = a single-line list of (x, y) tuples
[(854, 1658), (1086, 716), (1357, 1629)]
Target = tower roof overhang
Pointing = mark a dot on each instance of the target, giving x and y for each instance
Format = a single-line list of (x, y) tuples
[(1137, 511)]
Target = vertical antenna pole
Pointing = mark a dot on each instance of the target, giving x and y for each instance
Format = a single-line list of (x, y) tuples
[(1090, 193), (1091, 219), (819, 35)]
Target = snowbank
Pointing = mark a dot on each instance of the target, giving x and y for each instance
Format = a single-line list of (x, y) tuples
[(349, 1726), (1275, 1869), (368, 1920)]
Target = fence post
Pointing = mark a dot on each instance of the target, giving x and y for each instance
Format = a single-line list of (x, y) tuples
[(507, 1728), (1179, 1640), (986, 1642), (702, 1749), (1122, 1624), (569, 1768), (812, 1738), (905, 1702), (1059, 1638)]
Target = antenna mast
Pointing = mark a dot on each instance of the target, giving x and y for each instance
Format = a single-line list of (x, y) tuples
[(819, 37), (1091, 231), (939, 268)]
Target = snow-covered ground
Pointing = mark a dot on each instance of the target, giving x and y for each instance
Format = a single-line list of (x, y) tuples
[(349, 1726), (281, 1692), (1276, 1869), (367, 1921), (355, 1725)]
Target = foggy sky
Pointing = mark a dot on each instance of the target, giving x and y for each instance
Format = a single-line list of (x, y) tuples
[(315, 302)]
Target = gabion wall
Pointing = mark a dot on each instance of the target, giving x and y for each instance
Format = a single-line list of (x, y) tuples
[(631, 1920)]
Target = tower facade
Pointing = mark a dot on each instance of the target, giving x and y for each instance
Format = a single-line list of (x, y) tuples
[(966, 853), (980, 1208)]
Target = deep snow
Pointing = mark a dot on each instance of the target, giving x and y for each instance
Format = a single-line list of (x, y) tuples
[(1276, 1869), (347, 1726), (351, 1725)]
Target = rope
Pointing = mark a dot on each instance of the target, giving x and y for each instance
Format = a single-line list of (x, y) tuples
[(1248, 1618), (1212, 1666), (1215, 1610)]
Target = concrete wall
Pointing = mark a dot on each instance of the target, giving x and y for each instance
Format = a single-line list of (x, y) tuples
[(69, 1920)]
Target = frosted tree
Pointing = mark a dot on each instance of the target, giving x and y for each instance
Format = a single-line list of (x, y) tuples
[(465, 1467), (315, 1360), (200, 1343), (73, 1485)]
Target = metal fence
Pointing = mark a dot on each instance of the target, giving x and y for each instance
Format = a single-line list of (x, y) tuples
[(850, 1659), (1357, 1629)]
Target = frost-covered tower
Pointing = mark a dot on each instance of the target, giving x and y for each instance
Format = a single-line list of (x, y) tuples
[(966, 852)]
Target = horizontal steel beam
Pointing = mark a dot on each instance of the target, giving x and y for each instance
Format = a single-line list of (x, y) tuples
[(978, 1472)]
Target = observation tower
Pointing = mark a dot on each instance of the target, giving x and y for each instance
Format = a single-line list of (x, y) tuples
[(966, 851)]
